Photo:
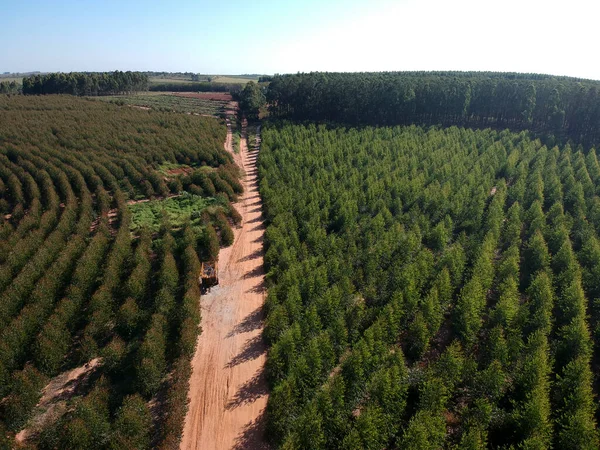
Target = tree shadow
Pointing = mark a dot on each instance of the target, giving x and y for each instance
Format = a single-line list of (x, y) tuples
[(250, 391), (252, 436), (260, 226), (257, 219), (253, 348), (260, 288), (254, 273), (254, 255), (251, 322)]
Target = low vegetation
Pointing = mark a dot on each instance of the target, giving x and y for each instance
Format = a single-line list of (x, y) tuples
[(166, 102), (180, 209)]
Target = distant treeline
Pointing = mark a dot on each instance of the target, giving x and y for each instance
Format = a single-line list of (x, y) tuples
[(86, 83), (566, 107), (169, 74), (9, 87), (197, 87)]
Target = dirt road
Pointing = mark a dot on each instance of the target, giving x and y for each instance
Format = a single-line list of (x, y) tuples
[(228, 391)]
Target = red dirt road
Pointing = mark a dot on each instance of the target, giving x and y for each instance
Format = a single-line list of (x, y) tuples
[(228, 391)]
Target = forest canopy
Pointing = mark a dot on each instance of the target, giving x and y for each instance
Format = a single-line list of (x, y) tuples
[(565, 107), (429, 288), (86, 83)]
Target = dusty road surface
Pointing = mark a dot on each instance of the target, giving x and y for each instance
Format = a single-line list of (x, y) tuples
[(228, 392)]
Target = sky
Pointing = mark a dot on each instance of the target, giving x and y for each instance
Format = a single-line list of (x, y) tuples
[(289, 36)]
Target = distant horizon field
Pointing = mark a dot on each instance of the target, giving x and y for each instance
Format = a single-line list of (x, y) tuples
[(160, 80), (226, 79)]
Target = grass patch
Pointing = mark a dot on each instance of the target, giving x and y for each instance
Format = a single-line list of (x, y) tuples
[(178, 209), (236, 137), (251, 136), (232, 79)]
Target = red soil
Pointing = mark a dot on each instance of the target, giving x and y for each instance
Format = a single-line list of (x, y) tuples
[(228, 390)]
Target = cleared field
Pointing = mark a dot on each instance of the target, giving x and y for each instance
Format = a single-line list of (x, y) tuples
[(160, 80), (229, 79), (192, 103), (232, 79)]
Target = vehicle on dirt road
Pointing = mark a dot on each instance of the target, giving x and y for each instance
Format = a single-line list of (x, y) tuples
[(209, 275)]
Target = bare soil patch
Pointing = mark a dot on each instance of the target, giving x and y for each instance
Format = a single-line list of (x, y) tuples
[(180, 171), (228, 390), (55, 396)]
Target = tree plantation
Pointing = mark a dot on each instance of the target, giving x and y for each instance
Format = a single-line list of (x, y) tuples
[(74, 83), (108, 83), (430, 244), (557, 105), (430, 288), (78, 288)]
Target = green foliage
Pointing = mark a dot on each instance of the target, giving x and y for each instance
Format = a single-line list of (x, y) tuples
[(557, 105), (577, 427), (25, 392), (537, 257), (76, 285), (210, 244), (449, 245), (179, 210), (252, 99), (132, 425), (75, 83), (425, 431)]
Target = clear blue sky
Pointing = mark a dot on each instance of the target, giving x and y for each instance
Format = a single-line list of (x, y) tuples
[(232, 37)]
